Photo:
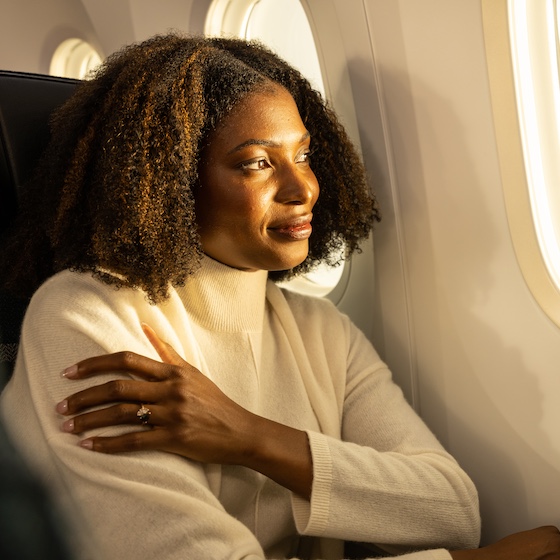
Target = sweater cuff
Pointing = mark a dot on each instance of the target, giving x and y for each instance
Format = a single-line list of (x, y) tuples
[(311, 517)]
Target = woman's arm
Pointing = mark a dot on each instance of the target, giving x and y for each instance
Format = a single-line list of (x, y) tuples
[(542, 543), (117, 506), (189, 416), (386, 479), (389, 468), (538, 544), (158, 475)]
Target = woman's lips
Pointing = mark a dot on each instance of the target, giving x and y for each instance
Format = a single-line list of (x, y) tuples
[(299, 228)]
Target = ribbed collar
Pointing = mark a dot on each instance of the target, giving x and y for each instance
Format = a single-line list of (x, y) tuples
[(222, 298)]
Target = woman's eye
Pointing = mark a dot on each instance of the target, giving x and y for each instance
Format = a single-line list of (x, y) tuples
[(254, 165), (304, 158)]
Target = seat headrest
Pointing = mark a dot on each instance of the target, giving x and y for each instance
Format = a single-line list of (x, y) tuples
[(26, 103)]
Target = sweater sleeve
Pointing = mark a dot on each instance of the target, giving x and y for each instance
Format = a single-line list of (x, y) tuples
[(145, 504), (387, 480)]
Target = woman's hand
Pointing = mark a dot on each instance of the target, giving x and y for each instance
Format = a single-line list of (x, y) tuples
[(537, 544), (189, 416)]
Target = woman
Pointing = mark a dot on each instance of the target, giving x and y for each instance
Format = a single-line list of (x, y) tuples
[(179, 183)]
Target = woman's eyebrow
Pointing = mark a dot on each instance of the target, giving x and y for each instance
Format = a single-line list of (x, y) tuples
[(261, 142)]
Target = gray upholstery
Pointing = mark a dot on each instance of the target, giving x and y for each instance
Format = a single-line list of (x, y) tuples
[(26, 102)]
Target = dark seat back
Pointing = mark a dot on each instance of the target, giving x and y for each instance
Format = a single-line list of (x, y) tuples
[(26, 103)]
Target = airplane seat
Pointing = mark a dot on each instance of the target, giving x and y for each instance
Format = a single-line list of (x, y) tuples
[(26, 103)]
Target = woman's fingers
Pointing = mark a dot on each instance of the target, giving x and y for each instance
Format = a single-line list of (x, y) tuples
[(117, 415), (130, 362), (166, 351), (115, 391), (189, 414), (145, 440), (120, 362)]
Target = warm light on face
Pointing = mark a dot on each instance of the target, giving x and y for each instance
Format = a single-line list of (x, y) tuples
[(534, 44), (282, 26), (254, 206)]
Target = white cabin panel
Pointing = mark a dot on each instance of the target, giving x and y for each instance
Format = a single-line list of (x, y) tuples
[(485, 356)]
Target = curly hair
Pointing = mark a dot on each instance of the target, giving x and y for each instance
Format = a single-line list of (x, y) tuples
[(114, 192)]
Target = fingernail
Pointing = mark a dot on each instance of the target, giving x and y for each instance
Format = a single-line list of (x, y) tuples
[(87, 444), (68, 426), (70, 372), (62, 407)]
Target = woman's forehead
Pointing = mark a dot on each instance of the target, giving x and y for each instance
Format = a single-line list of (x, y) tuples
[(263, 115)]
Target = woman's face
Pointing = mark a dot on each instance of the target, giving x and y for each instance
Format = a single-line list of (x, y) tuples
[(257, 190)]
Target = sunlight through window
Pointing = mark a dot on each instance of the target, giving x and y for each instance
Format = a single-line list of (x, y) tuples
[(74, 58), (534, 43)]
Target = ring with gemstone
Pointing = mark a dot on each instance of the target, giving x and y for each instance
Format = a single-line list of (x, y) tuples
[(144, 414)]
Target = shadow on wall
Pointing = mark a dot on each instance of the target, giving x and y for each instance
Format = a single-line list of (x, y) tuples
[(444, 261)]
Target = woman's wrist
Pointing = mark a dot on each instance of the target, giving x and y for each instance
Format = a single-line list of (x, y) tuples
[(281, 453)]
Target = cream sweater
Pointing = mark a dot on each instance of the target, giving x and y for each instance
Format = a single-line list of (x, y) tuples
[(379, 474)]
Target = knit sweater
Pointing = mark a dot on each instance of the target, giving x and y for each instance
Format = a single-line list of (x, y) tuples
[(379, 475)]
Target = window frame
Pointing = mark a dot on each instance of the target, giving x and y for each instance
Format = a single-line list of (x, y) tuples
[(517, 167), (74, 58)]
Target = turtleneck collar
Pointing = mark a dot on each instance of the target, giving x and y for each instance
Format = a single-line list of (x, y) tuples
[(222, 298)]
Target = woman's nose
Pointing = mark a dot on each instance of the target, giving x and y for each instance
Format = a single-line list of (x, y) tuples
[(298, 187)]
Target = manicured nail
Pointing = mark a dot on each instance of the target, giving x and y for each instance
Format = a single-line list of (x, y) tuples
[(87, 443), (62, 407), (70, 372), (68, 426)]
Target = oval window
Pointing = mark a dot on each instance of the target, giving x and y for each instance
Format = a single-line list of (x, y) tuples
[(74, 58), (524, 69), (534, 40)]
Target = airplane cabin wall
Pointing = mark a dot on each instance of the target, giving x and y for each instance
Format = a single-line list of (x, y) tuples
[(30, 31), (447, 308), (453, 316)]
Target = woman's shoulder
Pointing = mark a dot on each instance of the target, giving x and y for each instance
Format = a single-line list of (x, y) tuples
[(71, 285), (79, 291)]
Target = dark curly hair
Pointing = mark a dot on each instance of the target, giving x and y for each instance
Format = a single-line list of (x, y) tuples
[(114, 192)]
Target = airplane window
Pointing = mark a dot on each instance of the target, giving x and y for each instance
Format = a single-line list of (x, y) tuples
[(535, 57), (74, 58), (524, 70), (283, 27)]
